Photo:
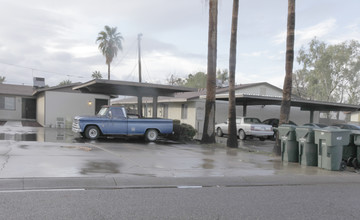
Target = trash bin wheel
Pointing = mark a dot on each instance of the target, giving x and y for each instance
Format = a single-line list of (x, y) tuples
[(343, 165), (355, 163), (349, 161)]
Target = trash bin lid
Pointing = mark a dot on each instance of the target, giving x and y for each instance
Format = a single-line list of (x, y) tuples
[(287, 127)]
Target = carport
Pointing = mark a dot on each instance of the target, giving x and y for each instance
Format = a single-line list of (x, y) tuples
[(305, 105), (125, 88)]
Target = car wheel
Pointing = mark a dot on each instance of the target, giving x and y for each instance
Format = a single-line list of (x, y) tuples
[(151, 135), (242, 135), (343, 165), (92, 132), (219, 132)]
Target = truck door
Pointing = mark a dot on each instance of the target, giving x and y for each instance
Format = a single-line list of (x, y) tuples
[(118, 122)]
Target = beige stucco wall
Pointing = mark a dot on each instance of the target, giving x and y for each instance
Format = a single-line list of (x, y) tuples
[(68, 105), (40, 109), (355, 117), (13, 114)]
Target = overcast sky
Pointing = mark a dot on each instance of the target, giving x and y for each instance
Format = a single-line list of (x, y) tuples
[(56, 39)]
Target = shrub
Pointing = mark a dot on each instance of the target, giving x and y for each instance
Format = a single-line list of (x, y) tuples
[(183, 132)]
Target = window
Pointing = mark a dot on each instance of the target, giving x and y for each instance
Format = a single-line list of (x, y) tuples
[(117, 113), (7, 103), (184, 109), (164, 111)]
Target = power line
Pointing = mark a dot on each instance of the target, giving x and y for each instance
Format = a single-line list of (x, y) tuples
[(127, 52), (30, 68)]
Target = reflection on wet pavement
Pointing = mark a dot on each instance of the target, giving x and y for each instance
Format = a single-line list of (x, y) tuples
[(50, 152)]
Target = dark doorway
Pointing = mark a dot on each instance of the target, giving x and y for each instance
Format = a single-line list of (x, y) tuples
[(99, 103), (28, 108)]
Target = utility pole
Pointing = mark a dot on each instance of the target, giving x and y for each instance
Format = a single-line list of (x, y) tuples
[(139, 39), (139, 96)]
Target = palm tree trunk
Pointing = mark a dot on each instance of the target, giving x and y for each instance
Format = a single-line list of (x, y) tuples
[(208, 135), (108, 71), (232, 139), (286, 100)]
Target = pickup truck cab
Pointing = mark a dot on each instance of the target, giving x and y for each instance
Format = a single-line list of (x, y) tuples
[(113, 120)]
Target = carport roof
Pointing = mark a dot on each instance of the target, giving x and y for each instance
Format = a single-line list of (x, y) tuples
[(309, 105), (126, 88)]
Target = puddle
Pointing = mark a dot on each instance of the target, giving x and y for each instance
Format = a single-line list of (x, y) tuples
[(208, 164), (95, 167), (18, 136), (78, 147)]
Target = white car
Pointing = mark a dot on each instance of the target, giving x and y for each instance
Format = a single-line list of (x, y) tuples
[(246, 126)]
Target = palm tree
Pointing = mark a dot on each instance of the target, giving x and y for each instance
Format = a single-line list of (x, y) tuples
[(232, 139), (110, 44), (96, 75), (286, 100), (208, 135)]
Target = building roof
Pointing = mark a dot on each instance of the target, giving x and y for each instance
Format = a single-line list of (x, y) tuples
[(186, 96), (126, 88), (19, 90), (63, 88), (307, 105)]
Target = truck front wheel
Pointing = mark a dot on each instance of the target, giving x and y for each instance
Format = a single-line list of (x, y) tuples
[(151, 135), (92, 132)]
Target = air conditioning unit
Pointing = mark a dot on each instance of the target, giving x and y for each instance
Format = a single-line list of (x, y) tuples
[(39, 82)]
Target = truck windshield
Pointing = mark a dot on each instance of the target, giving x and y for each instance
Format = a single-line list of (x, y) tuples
[(103, 112)]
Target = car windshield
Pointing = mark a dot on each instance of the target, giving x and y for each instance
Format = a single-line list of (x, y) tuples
[(103, 111)]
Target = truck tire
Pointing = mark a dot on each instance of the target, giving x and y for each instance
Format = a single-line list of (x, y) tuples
[(92, 132), (151, 135)]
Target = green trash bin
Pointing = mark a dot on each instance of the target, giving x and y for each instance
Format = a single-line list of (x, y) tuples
[(330, 143), (289, 145), (356, 135), (308, 154)]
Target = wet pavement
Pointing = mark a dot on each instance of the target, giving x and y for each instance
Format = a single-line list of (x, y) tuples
[(33, 152)]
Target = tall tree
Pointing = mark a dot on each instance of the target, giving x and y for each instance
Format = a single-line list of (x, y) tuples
[(175, 81), (208, 135), (198, 80), (232, 139), (65, 82), (96, 75), (2, 79), (222, 77), (286, 99), (110, 42), (335, 67)]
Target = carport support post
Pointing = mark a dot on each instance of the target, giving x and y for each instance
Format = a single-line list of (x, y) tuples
[(155, 100), (311, 116), (244, 110), (140, 106)]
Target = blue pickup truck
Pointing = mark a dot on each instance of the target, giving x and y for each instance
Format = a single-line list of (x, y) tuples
[(113, 120)]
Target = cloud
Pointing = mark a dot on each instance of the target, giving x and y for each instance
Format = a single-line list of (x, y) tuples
[(255, 54), (304, 35)]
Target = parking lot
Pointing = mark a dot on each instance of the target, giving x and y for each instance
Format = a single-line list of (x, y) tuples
[(50, 152)]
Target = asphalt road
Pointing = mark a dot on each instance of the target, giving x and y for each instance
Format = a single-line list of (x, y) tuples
[(310, 201)]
